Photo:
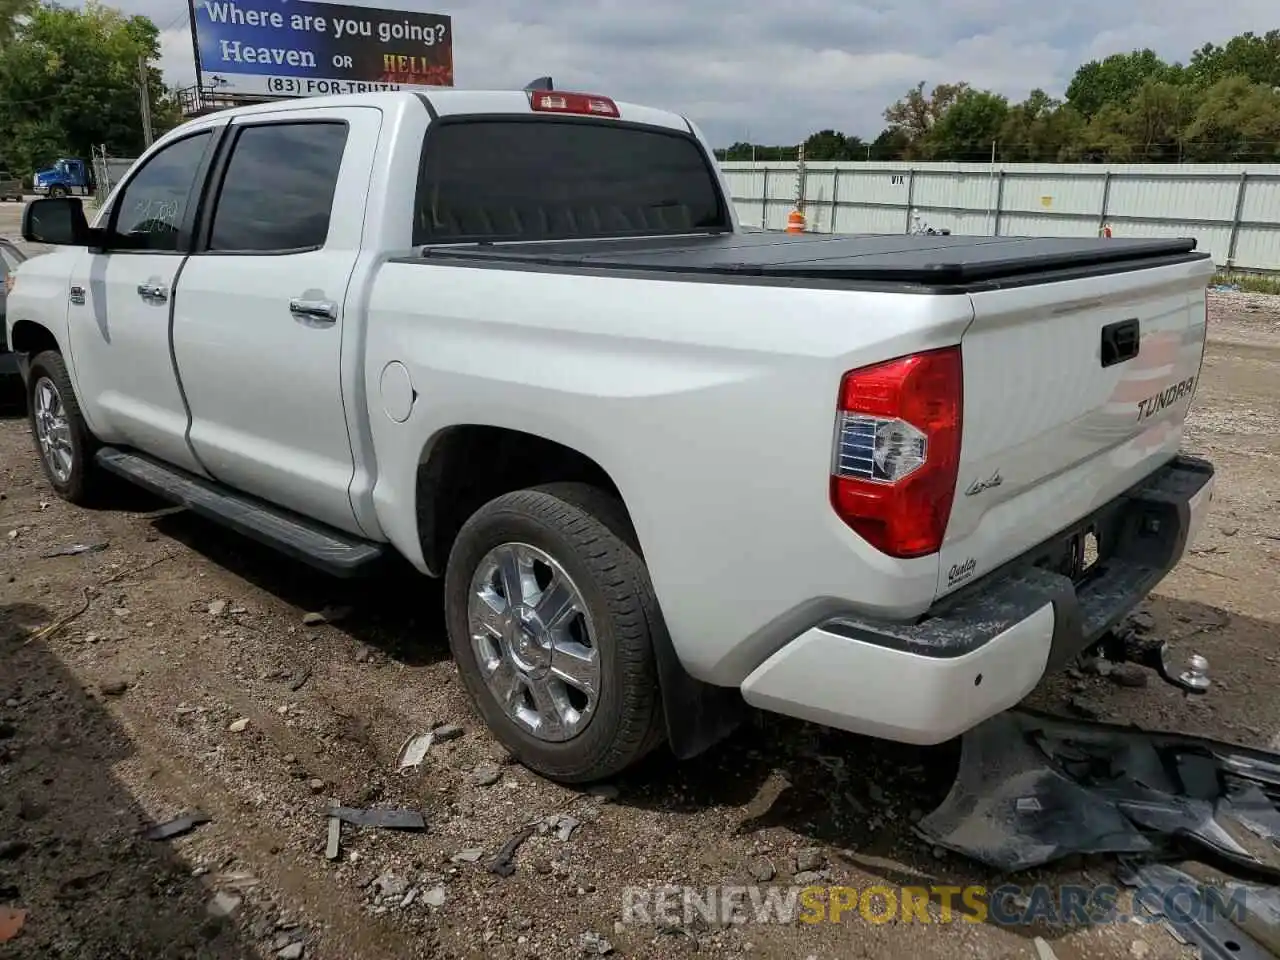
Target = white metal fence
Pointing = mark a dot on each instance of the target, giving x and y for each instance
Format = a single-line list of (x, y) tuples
[(1232, 210)]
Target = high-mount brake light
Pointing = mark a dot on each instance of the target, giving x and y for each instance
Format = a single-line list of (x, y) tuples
[(897, 451), (557, 101)]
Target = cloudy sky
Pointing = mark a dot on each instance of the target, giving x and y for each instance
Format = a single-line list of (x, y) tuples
[(773, 71)]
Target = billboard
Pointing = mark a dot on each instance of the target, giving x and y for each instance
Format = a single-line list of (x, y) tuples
[(304, 48)]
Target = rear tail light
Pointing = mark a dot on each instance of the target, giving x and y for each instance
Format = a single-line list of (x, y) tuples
[(897, 451), (557, 101)]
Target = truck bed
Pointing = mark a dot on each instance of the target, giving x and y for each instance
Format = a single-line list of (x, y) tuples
[(951, 263)]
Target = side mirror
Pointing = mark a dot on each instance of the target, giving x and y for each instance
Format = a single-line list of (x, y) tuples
[(59, 221)]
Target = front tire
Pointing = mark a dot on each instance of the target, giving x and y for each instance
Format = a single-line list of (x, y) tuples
[(62, 438), (551, 617), (58, 191)]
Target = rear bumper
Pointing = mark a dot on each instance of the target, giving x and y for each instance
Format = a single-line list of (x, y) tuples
[(984, 649)]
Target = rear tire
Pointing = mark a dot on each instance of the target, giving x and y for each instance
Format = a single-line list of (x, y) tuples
[(62, 438), (574, 696), (58, 191)]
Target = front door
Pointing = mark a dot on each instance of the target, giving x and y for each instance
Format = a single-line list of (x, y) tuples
[(258, 326), (121, 304)]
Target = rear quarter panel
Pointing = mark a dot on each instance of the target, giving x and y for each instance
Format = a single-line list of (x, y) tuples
[(710, 405)]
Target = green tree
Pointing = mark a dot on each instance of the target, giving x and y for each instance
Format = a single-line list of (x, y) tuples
[(1115, 80), (833, 145), (1149, 129), (969, 128), (69, 81), (1236, 120), (1255, 58), (1042, 129), (917, 112), (12, 13), (893, 143)]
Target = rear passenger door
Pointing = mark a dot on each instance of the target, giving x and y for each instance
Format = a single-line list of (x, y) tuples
[(258, 320)]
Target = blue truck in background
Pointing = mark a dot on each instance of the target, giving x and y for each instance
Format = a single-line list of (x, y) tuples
[(67, 177)]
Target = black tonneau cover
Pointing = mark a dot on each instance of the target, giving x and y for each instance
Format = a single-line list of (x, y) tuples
[(875, 258)]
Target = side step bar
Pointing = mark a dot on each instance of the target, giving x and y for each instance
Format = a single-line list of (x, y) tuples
[(316, 544)]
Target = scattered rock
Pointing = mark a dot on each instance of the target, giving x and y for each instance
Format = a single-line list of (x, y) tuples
[(565, 826), (876, 794), (810, 859), (1229, 531), (486, 774), (447, 732), (603, 791), (435, 897), (364, 654), (1139, 948), (317, 785), (217, 608), (761, 870), (293, 951), (114, 688), (223, 904), (391, 884), (1130, 675), (809, 878), (467, 855), (238, 726), (327, 615), (1142, 621), (594, 945)]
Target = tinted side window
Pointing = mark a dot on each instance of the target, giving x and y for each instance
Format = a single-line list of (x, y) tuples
[(152, 206), (277, 192), (549, 179)]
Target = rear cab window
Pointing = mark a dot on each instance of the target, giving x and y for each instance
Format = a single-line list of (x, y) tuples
[(515, 178)]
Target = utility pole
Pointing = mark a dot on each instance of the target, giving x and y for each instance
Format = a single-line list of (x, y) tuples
[(144, 91)]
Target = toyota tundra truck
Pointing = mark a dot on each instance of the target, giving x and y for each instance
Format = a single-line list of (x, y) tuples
[(668, 469)]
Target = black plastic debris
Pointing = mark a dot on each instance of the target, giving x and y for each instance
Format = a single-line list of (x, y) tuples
[(503, 862), (378, 817), (1203, 919), (177, 827), (1033, 788)]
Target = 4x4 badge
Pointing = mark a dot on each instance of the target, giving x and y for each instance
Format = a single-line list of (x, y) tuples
[(979, 485)]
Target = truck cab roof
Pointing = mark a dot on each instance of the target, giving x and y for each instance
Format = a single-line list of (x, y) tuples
[(446, 102)]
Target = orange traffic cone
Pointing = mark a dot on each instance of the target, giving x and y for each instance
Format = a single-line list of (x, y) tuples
[(795, 222)]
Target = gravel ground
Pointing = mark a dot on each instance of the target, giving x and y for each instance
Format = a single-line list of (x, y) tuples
[(195, 672)]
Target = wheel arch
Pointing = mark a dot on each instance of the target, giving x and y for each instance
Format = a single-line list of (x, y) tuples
[(467, 465)]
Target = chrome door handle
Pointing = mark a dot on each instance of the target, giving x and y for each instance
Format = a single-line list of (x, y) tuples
[(153, 291), (322, 311)]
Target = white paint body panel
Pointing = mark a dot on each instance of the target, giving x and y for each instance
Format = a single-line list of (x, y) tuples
[(710, 405), (1062, 431), (879, 692), (280, 432)]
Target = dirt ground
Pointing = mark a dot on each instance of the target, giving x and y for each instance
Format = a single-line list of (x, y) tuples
[(178, 632)]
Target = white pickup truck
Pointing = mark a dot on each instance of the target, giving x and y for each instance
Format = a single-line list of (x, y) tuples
[(667, 468)]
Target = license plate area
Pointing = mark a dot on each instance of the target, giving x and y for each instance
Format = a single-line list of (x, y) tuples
[(1077, 555)]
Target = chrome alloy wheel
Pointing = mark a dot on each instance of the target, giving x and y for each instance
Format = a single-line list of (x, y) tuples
[(534, 641), (53, 431)]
